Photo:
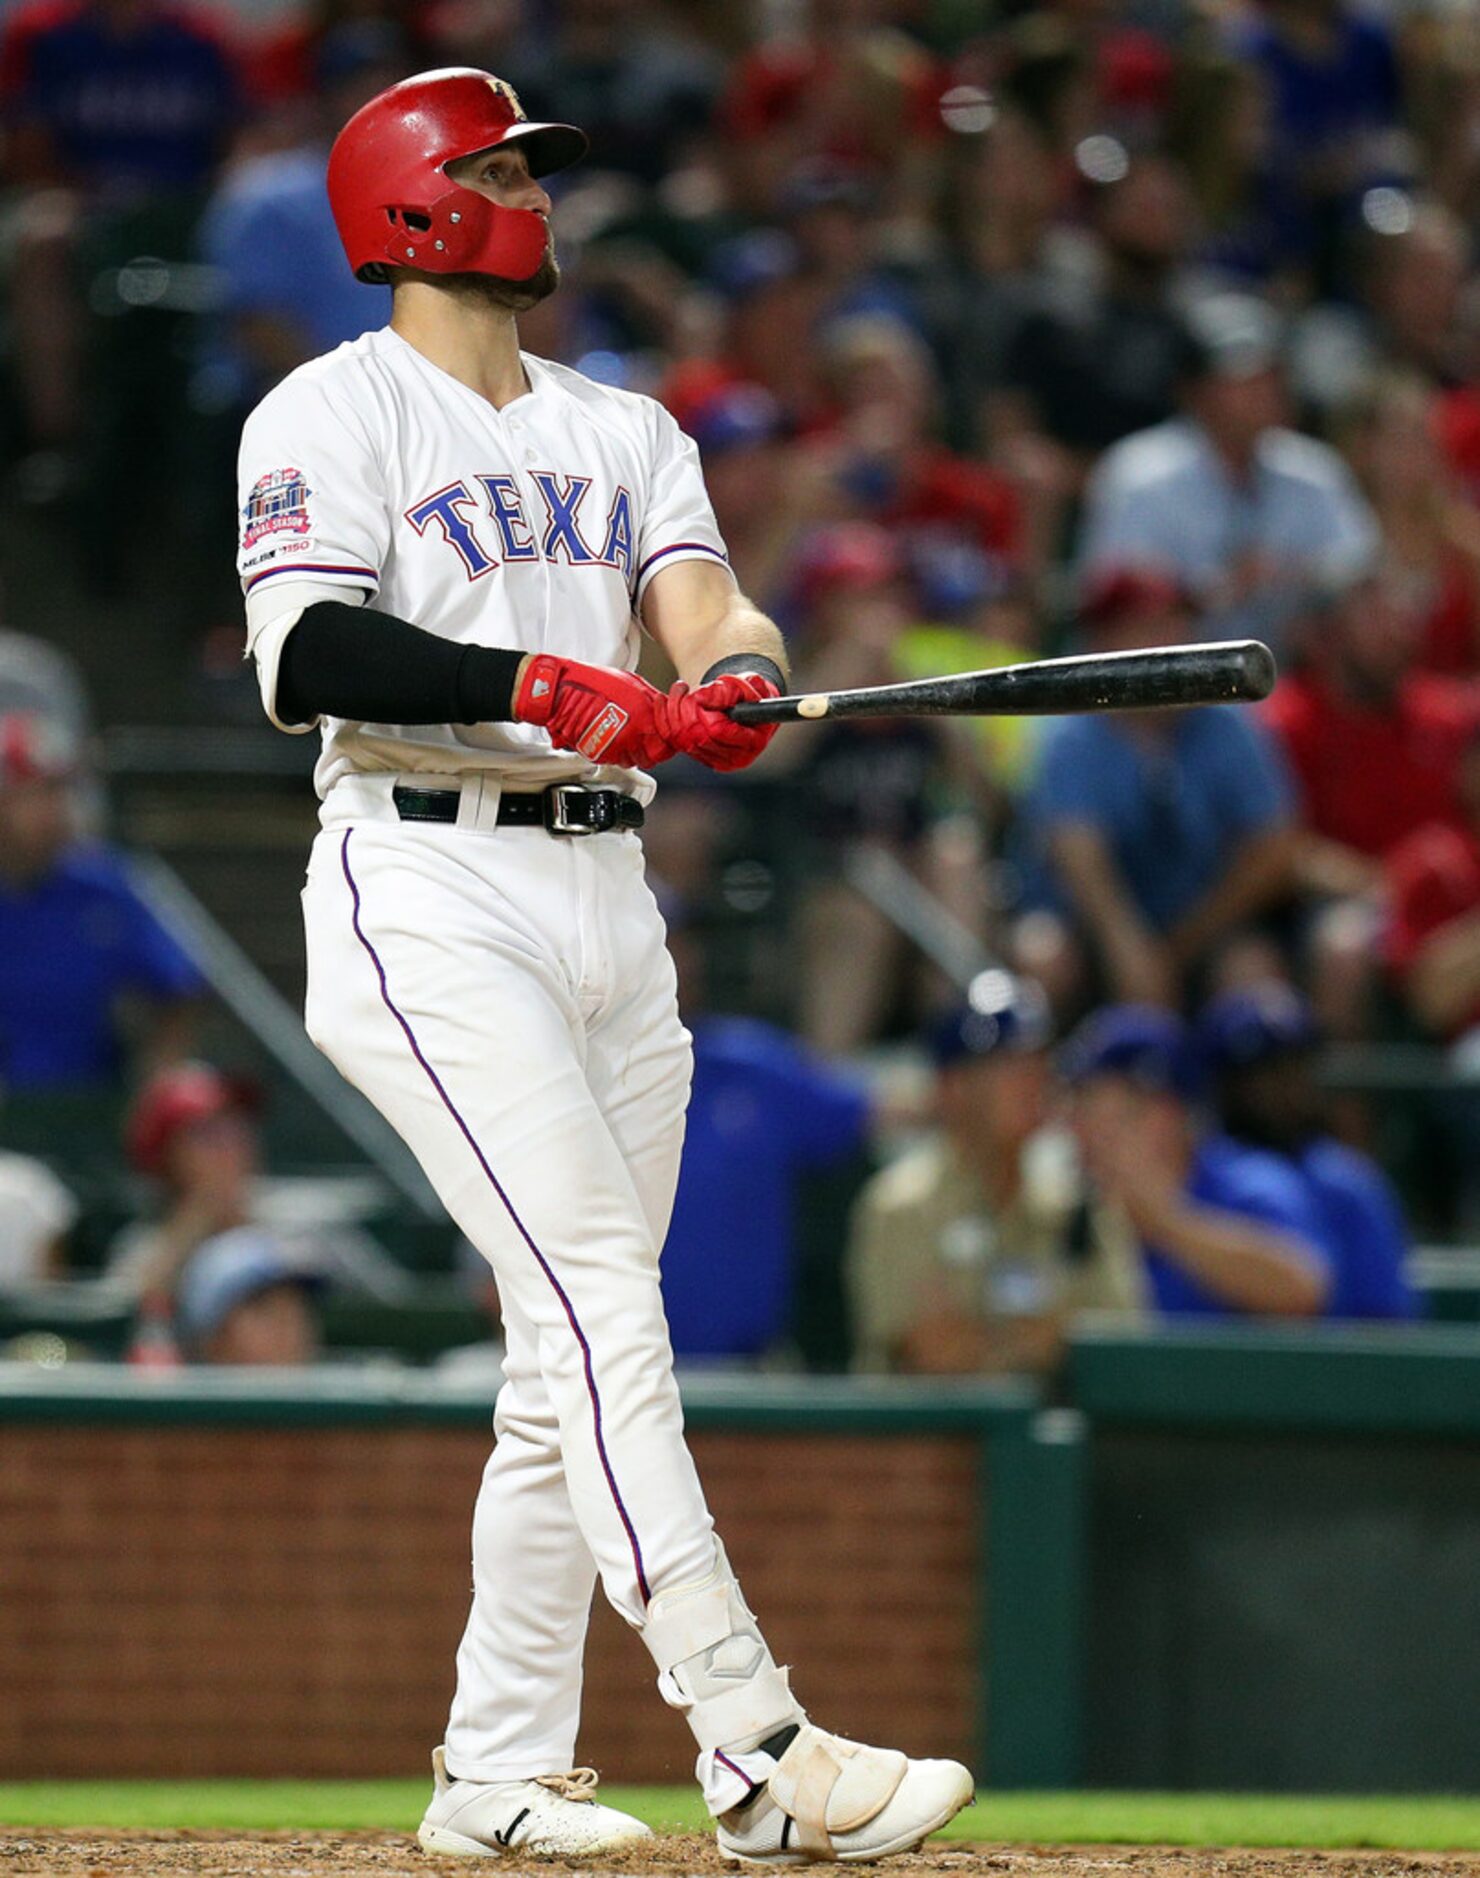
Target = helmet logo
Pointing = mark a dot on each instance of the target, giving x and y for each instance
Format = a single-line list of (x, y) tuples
[(506, 91)]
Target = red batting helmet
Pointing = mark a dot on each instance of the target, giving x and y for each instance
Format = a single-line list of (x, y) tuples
[(393, 200)]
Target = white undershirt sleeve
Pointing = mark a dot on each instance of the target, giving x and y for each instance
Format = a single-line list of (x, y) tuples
[(272, 613)]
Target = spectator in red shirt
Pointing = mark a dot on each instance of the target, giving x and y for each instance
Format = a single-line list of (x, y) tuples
[(1373, 741), (887, 460), (1432, 941), (1375, 747), (1429, 522), (844, 86), (1431, 947), (1458, 422)]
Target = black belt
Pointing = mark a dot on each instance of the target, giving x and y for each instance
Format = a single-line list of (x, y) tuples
[(562, 808)]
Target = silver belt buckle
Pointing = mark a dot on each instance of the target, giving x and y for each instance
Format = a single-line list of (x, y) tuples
[(557, 819)]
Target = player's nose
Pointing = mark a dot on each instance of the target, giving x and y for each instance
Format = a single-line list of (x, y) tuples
[(533, 195)]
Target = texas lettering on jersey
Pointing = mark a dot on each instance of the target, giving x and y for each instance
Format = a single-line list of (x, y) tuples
[(469, 516)]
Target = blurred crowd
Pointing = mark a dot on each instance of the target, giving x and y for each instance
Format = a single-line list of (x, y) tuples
[(1003, 330)]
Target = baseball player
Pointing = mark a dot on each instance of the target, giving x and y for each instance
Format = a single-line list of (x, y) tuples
[(448, 550)]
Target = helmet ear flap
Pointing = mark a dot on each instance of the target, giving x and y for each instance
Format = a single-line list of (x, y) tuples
[(399, 221), (408, 239)]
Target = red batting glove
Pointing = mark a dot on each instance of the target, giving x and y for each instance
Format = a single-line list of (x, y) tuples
[(699, 723), (605, 715)]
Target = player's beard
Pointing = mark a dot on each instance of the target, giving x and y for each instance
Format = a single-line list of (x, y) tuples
[(511, 296)]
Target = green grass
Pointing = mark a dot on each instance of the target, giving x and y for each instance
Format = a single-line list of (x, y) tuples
[(1439, 1824)]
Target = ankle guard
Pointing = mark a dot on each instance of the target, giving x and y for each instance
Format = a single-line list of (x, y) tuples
[(714, 1665)]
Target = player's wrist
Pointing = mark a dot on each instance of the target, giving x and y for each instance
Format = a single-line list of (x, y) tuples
[(747, 665), (536, 687), (488, 685)]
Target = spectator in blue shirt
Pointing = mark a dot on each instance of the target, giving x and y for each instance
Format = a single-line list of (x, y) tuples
[(1254, 518), (1335, 88), (268, 231), (1226, 1230), (126, 98), (111, 109), (77, 943), (1259, 1043), (1155, 834), (764, 1112)]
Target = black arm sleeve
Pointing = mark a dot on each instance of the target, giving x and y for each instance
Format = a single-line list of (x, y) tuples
[(350, 661)]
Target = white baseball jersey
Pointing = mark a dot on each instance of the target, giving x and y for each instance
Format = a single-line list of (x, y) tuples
[(372, 475)]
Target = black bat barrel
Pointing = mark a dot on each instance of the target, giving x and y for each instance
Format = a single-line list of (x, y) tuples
[(1223, 672)]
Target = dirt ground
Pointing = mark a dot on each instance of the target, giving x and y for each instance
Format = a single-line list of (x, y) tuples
[(388, 1855)]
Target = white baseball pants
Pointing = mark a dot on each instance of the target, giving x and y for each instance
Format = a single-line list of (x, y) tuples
[(506, 1000)]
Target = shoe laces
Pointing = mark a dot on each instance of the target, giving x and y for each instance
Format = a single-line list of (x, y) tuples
[(578, 1784)]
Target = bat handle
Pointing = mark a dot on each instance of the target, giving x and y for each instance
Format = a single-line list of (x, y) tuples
[(779, 710)]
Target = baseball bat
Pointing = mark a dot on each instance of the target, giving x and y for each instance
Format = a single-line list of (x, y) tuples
[(1229, 671)]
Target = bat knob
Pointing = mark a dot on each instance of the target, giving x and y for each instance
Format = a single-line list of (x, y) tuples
[(1257, 671)]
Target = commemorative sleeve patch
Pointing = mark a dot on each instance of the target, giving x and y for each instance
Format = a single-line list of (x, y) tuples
[(277, 505)]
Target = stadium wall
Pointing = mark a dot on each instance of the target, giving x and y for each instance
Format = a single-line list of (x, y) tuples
[(205, 1575), (1244, 1560)]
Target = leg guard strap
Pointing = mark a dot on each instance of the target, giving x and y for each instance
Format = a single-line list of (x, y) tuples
[(736, 1716), (830, 1785), (692, 1618)]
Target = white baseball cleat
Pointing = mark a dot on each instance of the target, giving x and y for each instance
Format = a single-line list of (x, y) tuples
[(555, 1815), (835, 1799)]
